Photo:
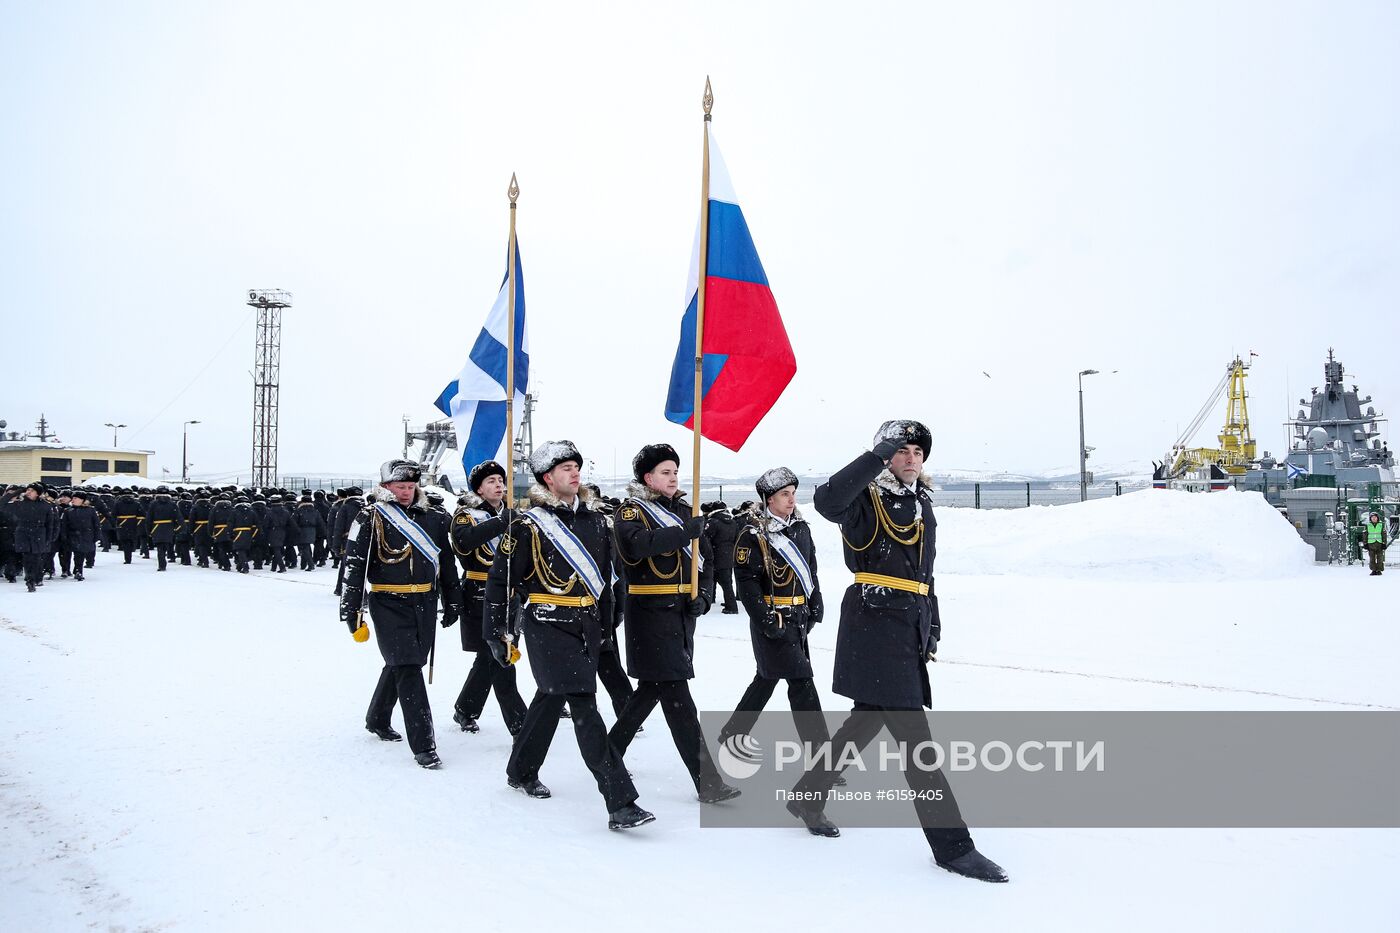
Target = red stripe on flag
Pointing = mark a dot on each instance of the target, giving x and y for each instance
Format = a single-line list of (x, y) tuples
[(742, 322)]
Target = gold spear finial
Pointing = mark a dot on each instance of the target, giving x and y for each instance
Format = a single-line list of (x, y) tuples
[(513, 192), (709, 99)]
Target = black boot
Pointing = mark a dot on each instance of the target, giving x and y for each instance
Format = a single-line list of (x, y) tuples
[(78, 576), (530, 788), (428, 759), (629, 816), (718, 793), (467, 723), (815, 820), (975, 865), (385, 733), (30, 584)]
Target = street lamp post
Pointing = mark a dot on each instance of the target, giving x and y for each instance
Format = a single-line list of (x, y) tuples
[(184, 451), (114, 432), (1083, 451)]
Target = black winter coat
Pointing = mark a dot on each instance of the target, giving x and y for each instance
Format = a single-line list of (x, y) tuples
[(163, 519), (778, 633), (723, 529), (244, 526), (402, 622), (275, 523), (885, 632), (80, 528), (474, 541), (36, 525), (562, 642), (128, 516), (182, 528), (310, 524), (200, 529), (660, 632), (221, 522)]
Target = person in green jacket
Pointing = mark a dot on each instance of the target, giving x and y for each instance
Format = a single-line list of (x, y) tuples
[(1376, 541)]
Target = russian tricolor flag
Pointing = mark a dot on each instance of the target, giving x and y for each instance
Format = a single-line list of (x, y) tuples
[(748, 359)]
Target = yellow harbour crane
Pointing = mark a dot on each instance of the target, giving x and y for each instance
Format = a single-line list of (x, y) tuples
[(1237, 450)]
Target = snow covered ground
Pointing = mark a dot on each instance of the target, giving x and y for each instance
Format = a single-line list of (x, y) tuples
[(186, 752)]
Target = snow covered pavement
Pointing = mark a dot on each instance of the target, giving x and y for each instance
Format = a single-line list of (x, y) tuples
[(186, 751)]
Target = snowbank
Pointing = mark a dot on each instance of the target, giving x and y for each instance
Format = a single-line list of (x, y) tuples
[(122, 479), (1149, 535)]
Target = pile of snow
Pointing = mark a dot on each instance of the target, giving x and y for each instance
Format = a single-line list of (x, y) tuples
[(1150, 535), (123, 479)]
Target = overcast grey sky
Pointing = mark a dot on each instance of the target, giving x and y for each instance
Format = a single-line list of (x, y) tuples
[(937, 190)]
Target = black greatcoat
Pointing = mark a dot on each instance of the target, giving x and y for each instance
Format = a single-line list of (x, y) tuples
[(35, 524), (80, 525), (309, 522), (885, 632), (163, 519), (472, 543), (660, 633), (723, 530), (128, 515), (244, 526), (403, 623), (780, 650), (274, 525), (199, 521), (562, 642), (221, 522)]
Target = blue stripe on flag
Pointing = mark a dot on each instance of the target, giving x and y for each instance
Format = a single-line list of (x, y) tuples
[(732, 254), (444, 401), (488, 428), (680, 398)]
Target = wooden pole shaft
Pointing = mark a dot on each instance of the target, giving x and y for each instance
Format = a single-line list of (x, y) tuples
[(699, 342), (514, 192)]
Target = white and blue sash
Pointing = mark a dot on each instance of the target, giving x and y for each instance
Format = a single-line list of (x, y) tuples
[(665, 519), (568, 544), (479, 516), (394, 514), (793, 555)]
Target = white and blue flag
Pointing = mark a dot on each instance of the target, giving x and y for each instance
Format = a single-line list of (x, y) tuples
[(476, 399), (1295, 471)]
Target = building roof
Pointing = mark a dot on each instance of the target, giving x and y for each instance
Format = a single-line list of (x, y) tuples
[(36, 445)]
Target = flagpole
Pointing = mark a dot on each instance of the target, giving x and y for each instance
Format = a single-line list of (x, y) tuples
[(513, 192), (708, 102)]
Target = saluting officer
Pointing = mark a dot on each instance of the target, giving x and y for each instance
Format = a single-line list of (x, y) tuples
[(400, 565), (555, 557), (477, 526), (889, 632), (654, 531)]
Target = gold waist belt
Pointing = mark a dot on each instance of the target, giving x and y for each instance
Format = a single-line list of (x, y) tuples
[(479, 575), (549, 599), (400, 587), (894, 583), (657, 589), (161, 521), (785, 600)]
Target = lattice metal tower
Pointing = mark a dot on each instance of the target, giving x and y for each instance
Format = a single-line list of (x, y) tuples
[(267, 364)]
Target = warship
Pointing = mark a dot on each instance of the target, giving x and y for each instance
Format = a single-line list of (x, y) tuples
[(1336, 472)]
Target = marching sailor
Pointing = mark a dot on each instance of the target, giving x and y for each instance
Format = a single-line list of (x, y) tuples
[(654, 531), (477, 527), (555, 557), (400, 565), (775, 563)]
